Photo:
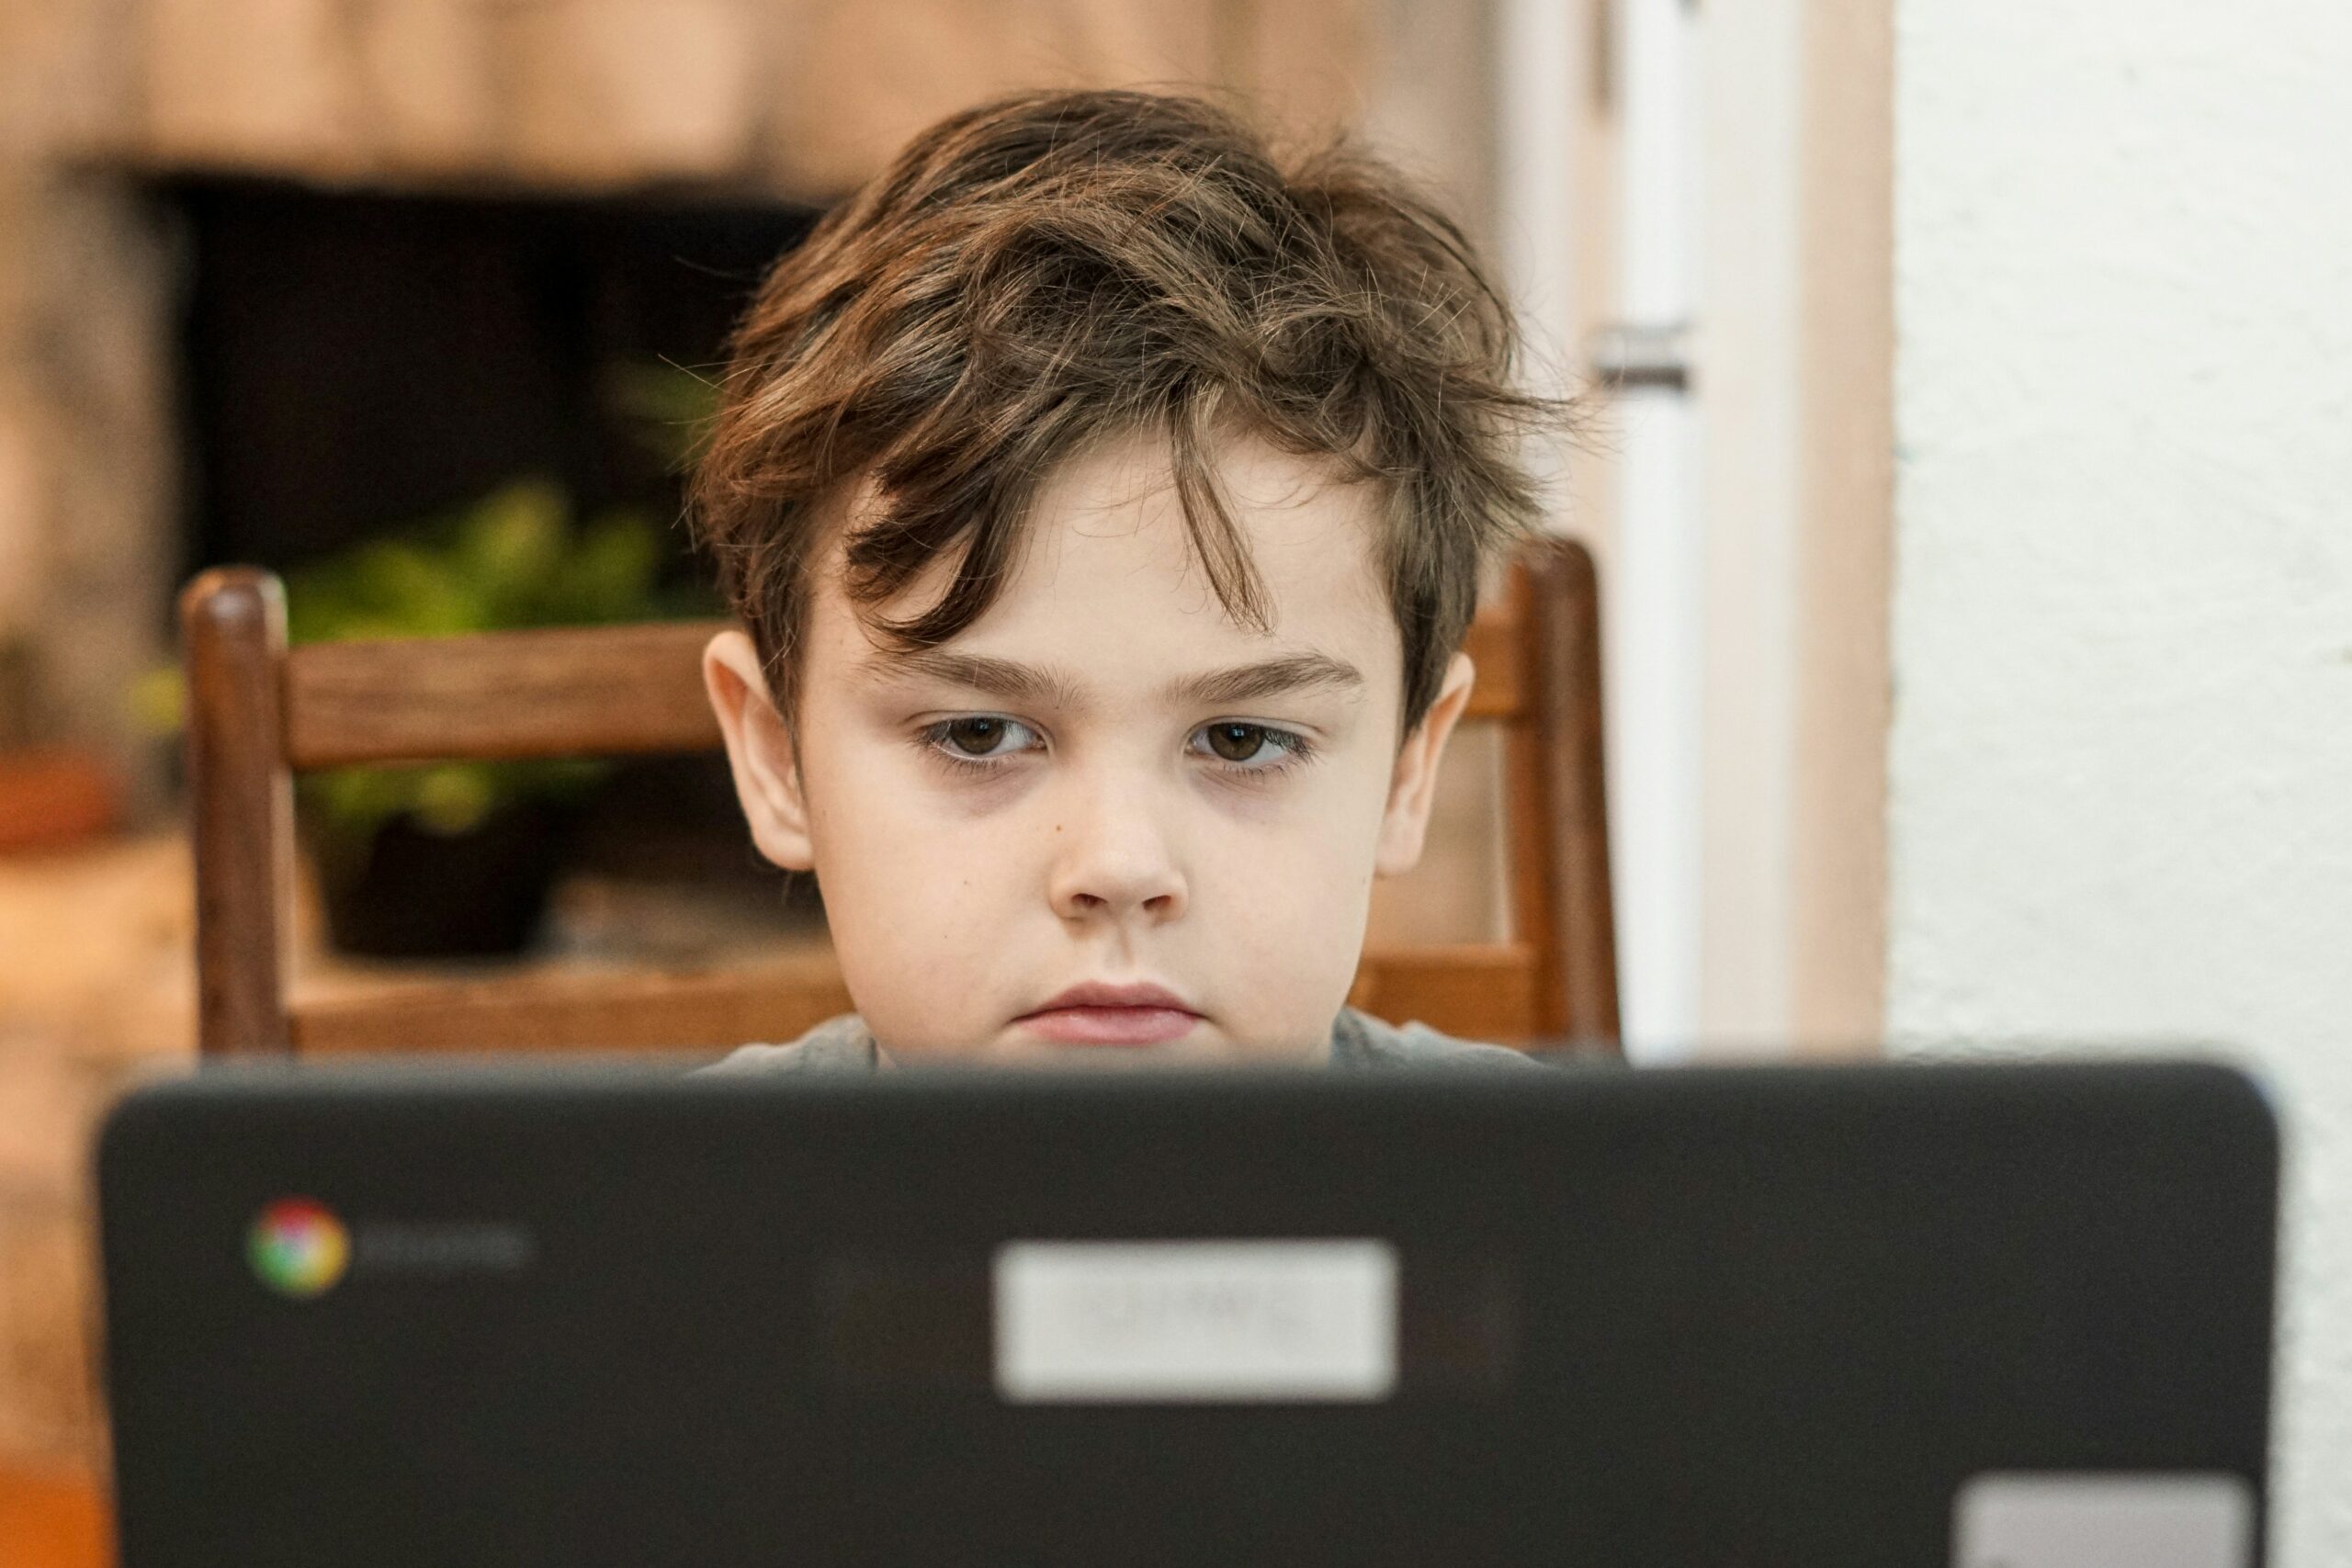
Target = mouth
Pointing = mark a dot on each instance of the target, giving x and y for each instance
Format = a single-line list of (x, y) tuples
[(1111, 1015)]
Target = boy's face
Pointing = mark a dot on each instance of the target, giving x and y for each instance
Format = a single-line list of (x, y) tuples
[(1105, 822)]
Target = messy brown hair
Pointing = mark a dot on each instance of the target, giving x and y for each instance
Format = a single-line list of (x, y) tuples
[(1043, 271)]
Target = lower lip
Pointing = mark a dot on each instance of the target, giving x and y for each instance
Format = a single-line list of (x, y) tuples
[(1111, 1026)]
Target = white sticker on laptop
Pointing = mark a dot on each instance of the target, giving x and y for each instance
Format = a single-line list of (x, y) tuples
[(2153, 1521), (1163, 1322)]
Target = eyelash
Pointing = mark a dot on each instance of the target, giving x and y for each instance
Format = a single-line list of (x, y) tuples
[(1295, 749)]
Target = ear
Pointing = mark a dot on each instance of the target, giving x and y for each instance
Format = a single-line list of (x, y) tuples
[(1414, 783), (759, 750)]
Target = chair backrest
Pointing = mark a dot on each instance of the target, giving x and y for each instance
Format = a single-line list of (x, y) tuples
[(259, 712)]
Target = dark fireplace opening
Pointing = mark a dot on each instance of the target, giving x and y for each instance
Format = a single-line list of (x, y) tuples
[(353, 361), (357, 363)]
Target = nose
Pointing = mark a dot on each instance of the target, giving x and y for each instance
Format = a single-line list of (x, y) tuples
[(1113, 858)]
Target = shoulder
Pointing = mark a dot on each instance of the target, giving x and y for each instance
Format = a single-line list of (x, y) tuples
[(839, 1045), (1359, 1039), (843, 1045)]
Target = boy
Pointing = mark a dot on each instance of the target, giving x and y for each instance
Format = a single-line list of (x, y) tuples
[(1106, 505)]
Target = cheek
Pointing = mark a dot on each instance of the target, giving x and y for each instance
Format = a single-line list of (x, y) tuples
[(1286, 912), (911, 894)]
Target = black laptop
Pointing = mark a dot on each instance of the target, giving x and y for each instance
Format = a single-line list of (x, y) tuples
[(1885, 1317)]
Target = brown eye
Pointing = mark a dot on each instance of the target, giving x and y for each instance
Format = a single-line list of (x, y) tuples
[(1236, 742), (976, 736)]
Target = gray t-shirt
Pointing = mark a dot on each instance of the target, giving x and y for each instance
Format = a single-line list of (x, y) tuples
[(843, 1044)]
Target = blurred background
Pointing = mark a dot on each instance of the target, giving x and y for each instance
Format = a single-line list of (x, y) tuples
[(1973, 396)]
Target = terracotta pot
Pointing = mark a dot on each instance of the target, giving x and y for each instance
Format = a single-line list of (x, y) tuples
[(413, 893), (50, 799)]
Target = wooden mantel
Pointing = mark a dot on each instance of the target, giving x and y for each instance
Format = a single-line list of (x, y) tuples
[(800, 99)]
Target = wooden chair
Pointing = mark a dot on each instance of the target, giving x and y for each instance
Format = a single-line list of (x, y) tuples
[(259, 711)]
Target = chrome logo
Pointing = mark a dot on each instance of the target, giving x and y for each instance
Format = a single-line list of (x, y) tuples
[(297, 1247)]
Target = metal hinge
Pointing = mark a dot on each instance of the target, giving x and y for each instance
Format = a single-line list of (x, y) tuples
[(1627, 354)]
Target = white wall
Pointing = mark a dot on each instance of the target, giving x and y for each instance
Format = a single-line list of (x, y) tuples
[(1655, 621), (2121, 777), (1748, 343)]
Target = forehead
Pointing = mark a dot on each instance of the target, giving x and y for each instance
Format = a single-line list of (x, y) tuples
[(1107, 578)]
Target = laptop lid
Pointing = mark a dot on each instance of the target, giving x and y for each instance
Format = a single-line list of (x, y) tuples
[(1888, 1316)]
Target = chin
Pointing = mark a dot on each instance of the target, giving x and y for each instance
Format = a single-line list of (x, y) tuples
[(1201, 1045), (1214, 1051), (1031, 1053)]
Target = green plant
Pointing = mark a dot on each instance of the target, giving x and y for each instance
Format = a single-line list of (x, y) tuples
[(515, 559)]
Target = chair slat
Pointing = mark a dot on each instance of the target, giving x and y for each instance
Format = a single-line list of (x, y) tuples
[(601, 691), (565, 1010), (1477, 991)]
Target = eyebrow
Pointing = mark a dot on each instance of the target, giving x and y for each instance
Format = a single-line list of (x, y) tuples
[(1005, 678), (1274, 677), (1015, 682)]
